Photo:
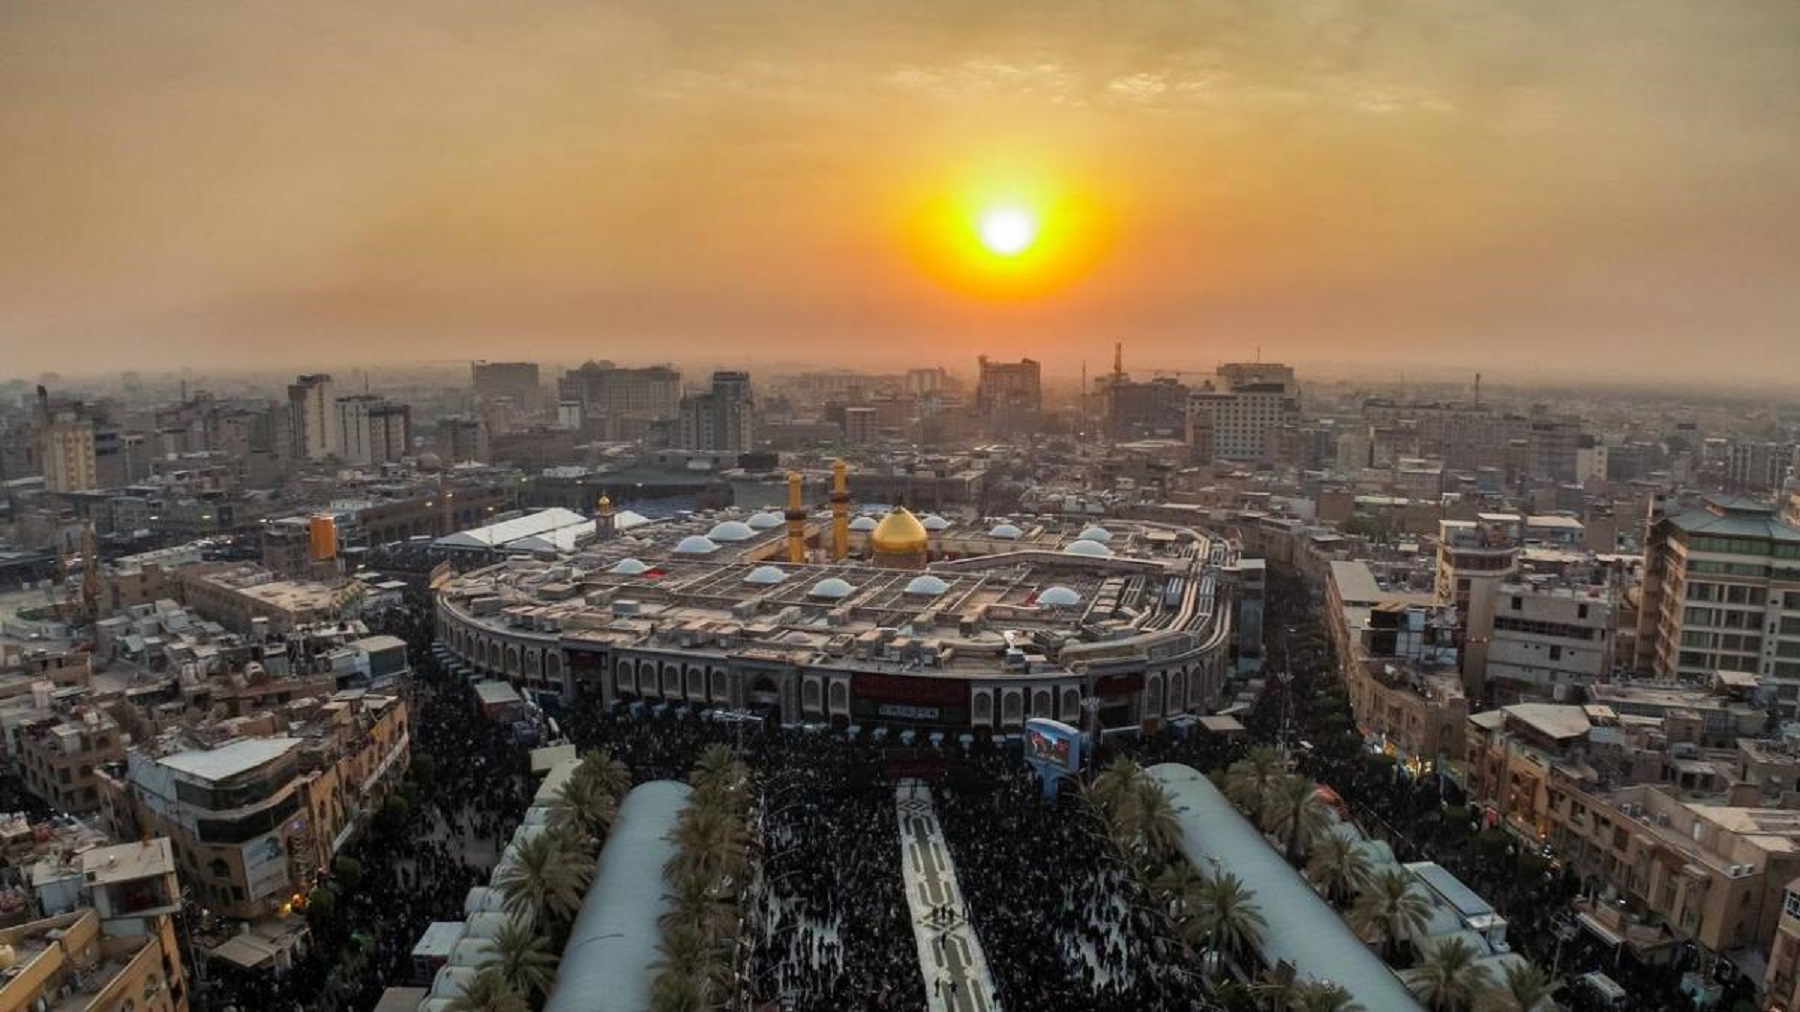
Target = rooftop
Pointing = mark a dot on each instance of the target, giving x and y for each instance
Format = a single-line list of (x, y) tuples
[(230, 758)]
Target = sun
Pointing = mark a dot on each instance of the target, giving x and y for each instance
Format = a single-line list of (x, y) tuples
[(1007, 230)]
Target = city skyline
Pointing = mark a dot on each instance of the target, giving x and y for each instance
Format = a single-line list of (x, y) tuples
[(260, 186)]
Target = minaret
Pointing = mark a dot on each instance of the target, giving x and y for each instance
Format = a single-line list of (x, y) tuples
[(796, 521), (603, 517), (840, 511)]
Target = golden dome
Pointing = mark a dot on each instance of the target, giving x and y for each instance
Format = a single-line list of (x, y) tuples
[(898, 533)]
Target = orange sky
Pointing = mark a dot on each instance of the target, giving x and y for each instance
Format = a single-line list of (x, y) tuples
[(1460, 184)]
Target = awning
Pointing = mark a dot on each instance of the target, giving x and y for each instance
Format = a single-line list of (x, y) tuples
[(1605, 933), (247, 951)]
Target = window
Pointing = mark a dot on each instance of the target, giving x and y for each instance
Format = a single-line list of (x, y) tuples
[(1518, 603), (1581, 611), (1556, 653)]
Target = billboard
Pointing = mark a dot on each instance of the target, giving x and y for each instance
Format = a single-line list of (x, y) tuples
[(1052, 746), (265, 865)]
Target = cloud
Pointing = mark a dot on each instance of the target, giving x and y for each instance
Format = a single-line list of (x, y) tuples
[(1369, 176)]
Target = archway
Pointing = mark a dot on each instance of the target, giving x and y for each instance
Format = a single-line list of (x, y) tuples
[(765, 697)]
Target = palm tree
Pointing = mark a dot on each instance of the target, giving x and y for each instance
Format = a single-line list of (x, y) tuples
[(696, 906), (523, 959), (1118, 783), (1176, 886), (1337, 867), (1226, 916), (677, 992), (1292, 811), (548, 878), (488, 992), (1159, 828), (1388, 909), (688, 967), (584, 804), (709, 843), (1449, 979), (1277, 988), (718, 769), (1322, 996), (600, 765), (1248, 781), (1522, 988)]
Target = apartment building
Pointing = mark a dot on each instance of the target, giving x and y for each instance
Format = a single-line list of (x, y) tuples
[(620, 403), (1781, 983), (254, 816), (1665, 831), (1239, 420), (1721, 591), (76, 961), (312, 418), (721, 419), (246, 598), (1008, 395), (58, 757), (372, 430), (1399, 659), (1548, 636), (68, 454)]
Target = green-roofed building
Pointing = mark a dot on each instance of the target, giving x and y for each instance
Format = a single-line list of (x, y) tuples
[(1722, 593)]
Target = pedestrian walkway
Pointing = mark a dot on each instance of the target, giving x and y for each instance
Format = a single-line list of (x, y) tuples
[(950, 956)]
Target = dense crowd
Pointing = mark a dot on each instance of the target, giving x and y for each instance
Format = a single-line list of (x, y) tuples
[(835, 932), (1063, 925)]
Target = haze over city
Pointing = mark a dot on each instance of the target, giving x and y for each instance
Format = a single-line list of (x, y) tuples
[(1538, 189), (949, 506)]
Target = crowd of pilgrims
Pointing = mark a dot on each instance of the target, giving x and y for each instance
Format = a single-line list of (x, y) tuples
[(835, 931), (1065, 927)]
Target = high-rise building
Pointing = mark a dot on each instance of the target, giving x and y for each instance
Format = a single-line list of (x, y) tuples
[(1475, 559), (372, 429), (1240, 419), (1756, 467), (312, 421), (1154, 409), (620, 403), (1721, 593), (512, 381), (721, 418), (861, 425), (1009, 396), (462, 438), (67, 446)]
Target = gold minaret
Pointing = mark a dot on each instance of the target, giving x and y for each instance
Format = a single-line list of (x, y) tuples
[(796, 521), (603, 517), (840, 511)]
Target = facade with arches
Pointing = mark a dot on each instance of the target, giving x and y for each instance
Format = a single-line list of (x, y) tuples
[(1127, 637)]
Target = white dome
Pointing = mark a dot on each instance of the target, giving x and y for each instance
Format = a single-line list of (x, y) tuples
[(933, 522), (731, 530), (926, 586), (1058, 597), (765, 574), (1099, 534), (1006, 531), (831, 588), (764, 521), (628, 567), (1090, 549), (694, 544), (864, 524)]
